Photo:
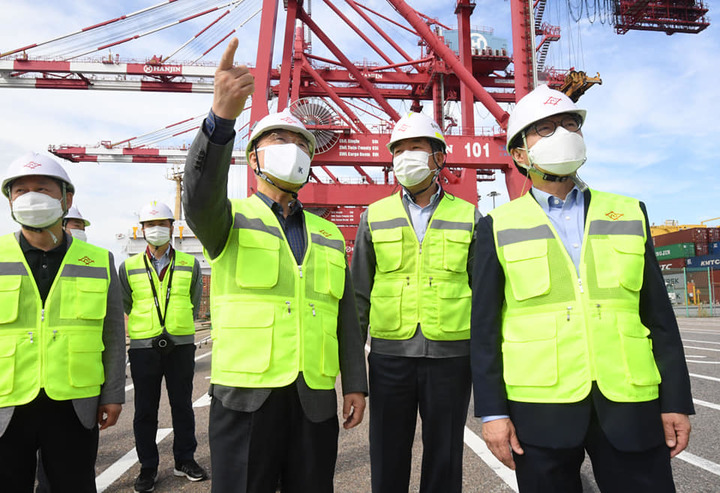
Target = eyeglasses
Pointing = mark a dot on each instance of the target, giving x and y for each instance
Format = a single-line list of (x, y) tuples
[(288, 138), (545, 128)]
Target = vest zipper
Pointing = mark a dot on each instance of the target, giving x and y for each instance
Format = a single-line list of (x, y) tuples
[(42, 315), (580, 285), (568, 313), (312, 305), (288, 306), (599, 314), (300, 269), (31, 337)]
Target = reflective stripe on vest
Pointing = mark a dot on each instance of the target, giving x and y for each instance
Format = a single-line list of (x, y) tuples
[(143, 320), (425, 284), (58, 348), (271, 317), (562, 331)]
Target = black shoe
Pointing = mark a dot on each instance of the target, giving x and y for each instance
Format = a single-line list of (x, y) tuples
[(191, 470), (145, 482)]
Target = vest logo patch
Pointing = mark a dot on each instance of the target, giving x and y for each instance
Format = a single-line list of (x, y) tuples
[(182, 262), (614, 215), (86, 260), (325, 233), (32, 165)]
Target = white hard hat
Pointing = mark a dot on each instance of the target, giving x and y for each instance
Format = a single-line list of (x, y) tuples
[(74, 213), (156, 210), (414, 125), (33, 164), (283, 120), (538, 104)]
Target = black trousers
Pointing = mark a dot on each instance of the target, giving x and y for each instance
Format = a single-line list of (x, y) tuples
[(148, 367), (68, 448), (547, 470), (440, 388), (252, 452)]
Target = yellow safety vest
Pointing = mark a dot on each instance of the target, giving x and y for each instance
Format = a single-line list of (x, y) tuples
[(271, 317), (143, 320), (57, 347), (562, 331), (421, 283)]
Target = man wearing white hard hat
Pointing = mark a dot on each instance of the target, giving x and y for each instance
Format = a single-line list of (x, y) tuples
[(62, 339), (282, 304), (575, 347), (74, 224), (411, 264), (161, 295)]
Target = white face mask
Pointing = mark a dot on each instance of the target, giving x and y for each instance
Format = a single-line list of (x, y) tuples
[(286, 162), (36, 210), (560, 154), (78, 233), (157, 235), (411, 167)]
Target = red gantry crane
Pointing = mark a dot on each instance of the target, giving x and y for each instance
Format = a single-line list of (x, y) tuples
[(351, 107)]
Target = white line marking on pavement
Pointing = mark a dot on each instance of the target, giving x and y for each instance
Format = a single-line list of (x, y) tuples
[(700, 462), (478, 446), (700, 331), (204, 355), (714, 379), (113, 473), (705, 362), (702, 348), (711, 405), (696, 340), (690, 356), (202, 401)]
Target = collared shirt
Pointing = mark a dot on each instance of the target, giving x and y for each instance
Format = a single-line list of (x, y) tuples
[(420, 216), (43, 265), (293, 225), (160, 264), (567, 217)]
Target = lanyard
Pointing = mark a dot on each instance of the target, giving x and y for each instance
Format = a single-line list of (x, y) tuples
[(171, 268)]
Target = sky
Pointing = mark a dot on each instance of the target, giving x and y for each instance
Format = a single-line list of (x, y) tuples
[(651, 127)]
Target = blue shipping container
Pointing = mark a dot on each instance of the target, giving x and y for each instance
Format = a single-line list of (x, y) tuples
[(714, 248), (703, 262)]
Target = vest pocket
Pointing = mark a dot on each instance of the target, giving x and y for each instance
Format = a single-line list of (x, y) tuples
[(454, 305), (630, 263), (455, 250), (258, 261), (388, 246), (619, 260), (9, 298), (527, 268), (85, 360), (329, 271), (245, 341), (83, 298), (385, 306), (530, 351), (7, 364), (640, 366), (330, 355)]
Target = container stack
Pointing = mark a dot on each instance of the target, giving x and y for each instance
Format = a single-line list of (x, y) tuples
[(672, 249)]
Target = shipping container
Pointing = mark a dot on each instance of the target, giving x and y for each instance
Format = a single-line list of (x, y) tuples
[(678, 250), (694, 235), (713, 235), (701, 249), (702, 263), (677, 263), (714, 248)]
